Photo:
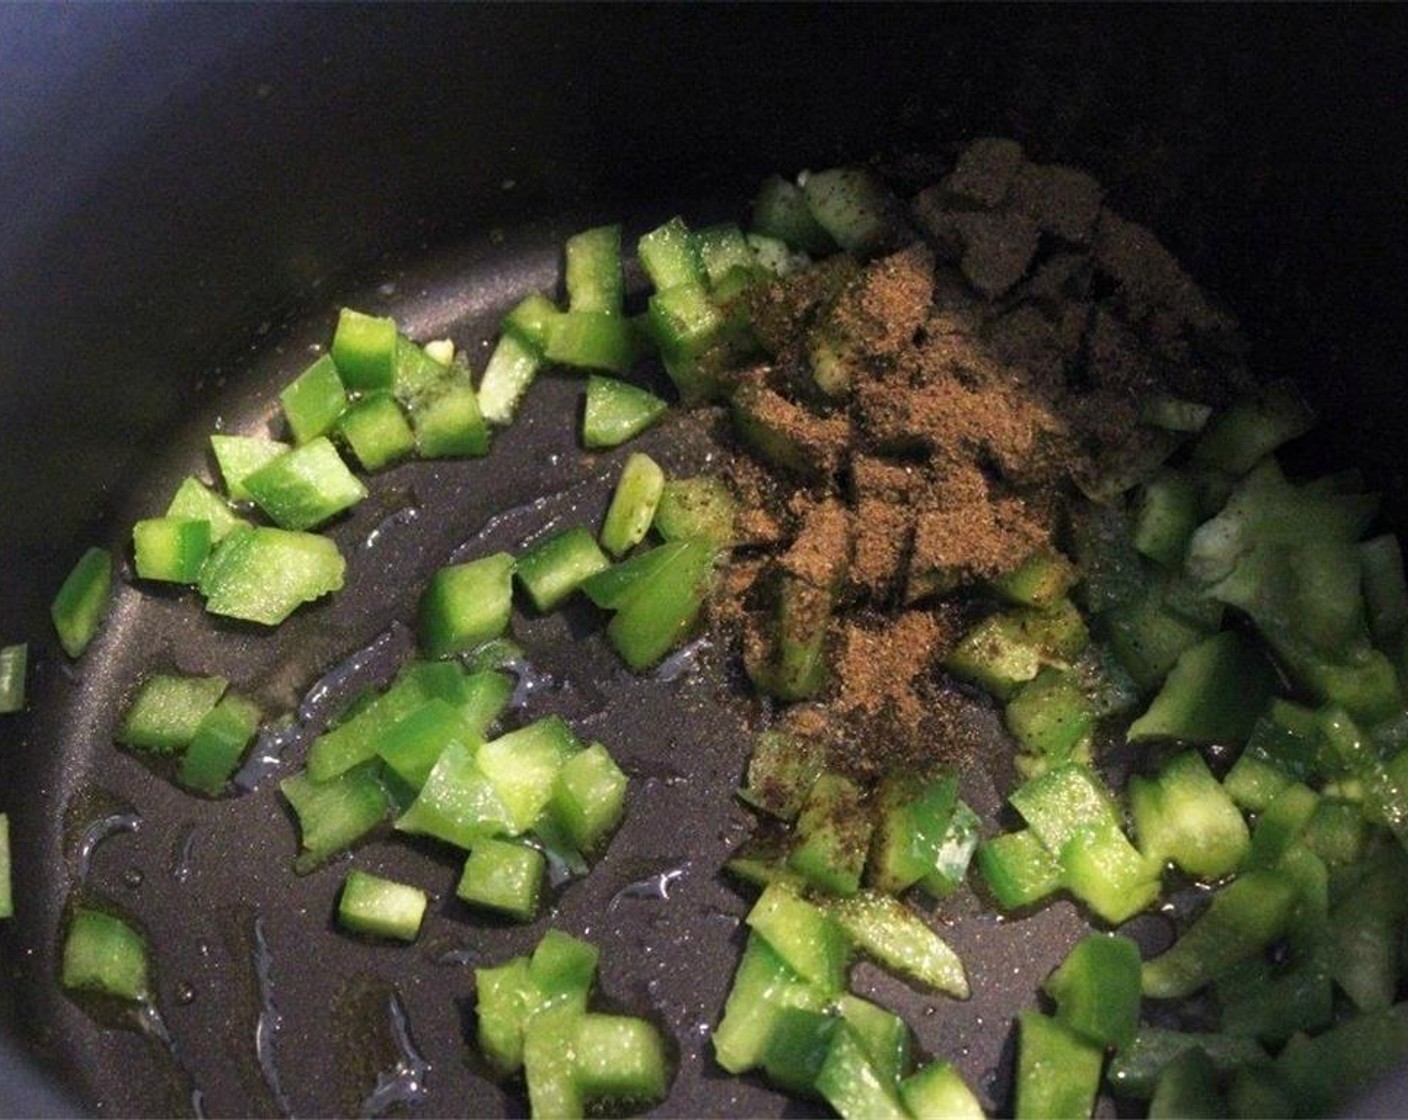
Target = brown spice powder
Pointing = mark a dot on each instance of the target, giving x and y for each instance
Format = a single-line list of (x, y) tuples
[(981, 389)]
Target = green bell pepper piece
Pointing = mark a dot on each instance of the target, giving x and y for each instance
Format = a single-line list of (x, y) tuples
[(314, 401), (364, 350), (82, 601), (381, 907), (466, 604), (104, 954), (263, 575)]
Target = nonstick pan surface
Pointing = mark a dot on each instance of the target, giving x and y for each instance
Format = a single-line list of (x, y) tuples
[(263, 1005), (167, 292)]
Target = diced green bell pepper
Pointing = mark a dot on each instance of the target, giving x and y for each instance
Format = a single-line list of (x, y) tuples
[(882, 1034), (170, 549), (333, 815), (1237, 437), (619, 1058), (617, 411), (1187, 1090), (523, 765), (850, 1084), (889, 932), (1280, 825), (911, 825), (377, 431), (314, 400), (1038, 581), (722, 248), (167, 711), (1052, 718), (1104, 870), (832, 835), (381, 907), (1167, 517), (812, 943), (696, 507), (938, 1092), (549, 1065), (589, 797), (1243, 918), (1058, 804), (591, 340), (306, 487), (238, 457), (1327, 1070), (853, 206), (685, 321), (633, 504), (1213, 695), (1058, 1072), (263, 575), (195, 501), (358, 737), (780, 211), (1018, 869), (511, 368), (1096, 989), (14, 666), (82, 600), (412, 745), (506, 1001), (466, 604), (554, 568), (503, 876), (781, 769), (593, 270), (219, 744), (457, 803), (669, 256), (660, 609), (364, 350), (418, 374), (763, 987), (1136, 1067), (1184, 816), (447, 421), (104, 954)]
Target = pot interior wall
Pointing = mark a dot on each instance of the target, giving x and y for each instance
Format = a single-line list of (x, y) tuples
[(179, 184)]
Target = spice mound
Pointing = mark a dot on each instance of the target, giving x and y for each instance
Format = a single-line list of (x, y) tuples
[(922, 422)]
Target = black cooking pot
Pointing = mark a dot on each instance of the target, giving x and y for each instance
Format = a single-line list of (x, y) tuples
[(183, 190)]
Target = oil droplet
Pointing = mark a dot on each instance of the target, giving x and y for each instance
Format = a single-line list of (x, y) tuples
[(682, 662), (132, 878), (100, 830), (406, 515), (526, 511), (529, 681), (270, 1021), (185, 994), (181, 853), (404, 1083), (652, 887)]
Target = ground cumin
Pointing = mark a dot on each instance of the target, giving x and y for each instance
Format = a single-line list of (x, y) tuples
[(992, 365)]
